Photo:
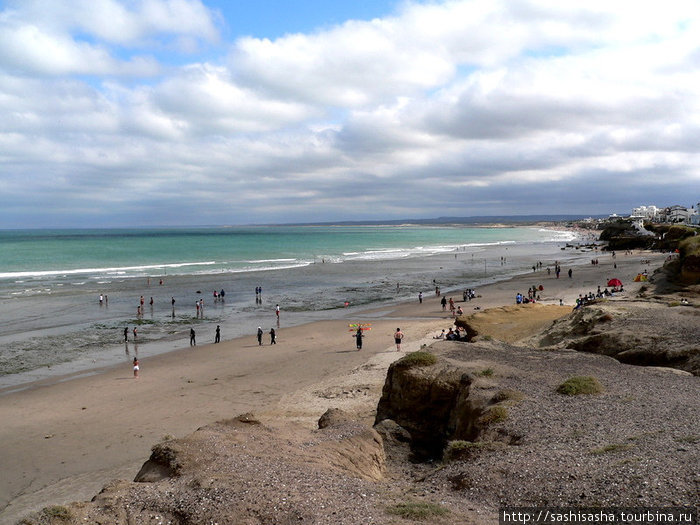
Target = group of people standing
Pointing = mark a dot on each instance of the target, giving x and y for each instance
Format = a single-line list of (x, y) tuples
[(272, 333)]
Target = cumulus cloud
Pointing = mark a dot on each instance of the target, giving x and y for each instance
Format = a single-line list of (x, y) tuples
[(86, 37), (132, 111), (127, 23)]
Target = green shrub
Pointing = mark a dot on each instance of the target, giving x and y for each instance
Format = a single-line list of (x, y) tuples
[(57, 511), (494, 414), (679, 232), (690, 246), (507, 394), (580, 385), (417, 510), (416, 359), (486, 372)]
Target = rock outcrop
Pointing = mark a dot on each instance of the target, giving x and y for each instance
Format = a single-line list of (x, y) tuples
[(430, 405), (633, 332)]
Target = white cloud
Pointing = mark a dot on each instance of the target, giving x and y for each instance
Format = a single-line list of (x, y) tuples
[(78, 37), (126, 23), (205, 96), (460, 107), (28, 49), (353, 65)]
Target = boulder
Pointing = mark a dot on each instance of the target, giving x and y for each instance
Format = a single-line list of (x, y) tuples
[(431, 403)]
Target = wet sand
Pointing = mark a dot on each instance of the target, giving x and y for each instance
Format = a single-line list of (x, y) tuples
[(64, 438)]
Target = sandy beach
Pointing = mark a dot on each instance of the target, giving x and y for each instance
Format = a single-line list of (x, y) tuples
[(64, 438)]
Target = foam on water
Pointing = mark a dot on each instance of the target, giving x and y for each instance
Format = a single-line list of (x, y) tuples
[(50, 317)]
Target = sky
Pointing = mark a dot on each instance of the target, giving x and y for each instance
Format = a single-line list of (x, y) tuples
[(143, 113)]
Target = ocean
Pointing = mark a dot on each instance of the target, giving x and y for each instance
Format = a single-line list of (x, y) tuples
[(51, 280)]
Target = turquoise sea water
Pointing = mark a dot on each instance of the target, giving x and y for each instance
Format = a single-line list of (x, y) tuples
[(50, 281), (46, 253)]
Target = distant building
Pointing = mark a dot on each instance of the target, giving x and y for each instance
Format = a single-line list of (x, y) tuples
[(677, 214), (649, 213), (695, 215)]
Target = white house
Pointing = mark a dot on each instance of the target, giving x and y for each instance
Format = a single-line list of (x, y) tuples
[(649, 213), (695, 215), (677, 214)]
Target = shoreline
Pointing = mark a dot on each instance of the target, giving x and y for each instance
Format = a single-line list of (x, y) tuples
[(93, 340), (67, 438)]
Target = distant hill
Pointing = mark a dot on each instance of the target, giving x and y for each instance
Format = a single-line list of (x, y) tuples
[(479, 219)]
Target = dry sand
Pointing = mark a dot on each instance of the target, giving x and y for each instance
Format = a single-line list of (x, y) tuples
[(63, 439)]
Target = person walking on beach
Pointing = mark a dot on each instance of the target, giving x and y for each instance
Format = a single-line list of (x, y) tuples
[(420, 297), (217, 337), (260, 334), (277, 312), (136, 368), (126, 334), (398, 336), (570, 273), (135, 334), (273, 335), (193, 341), (443, 302), (358, 338)]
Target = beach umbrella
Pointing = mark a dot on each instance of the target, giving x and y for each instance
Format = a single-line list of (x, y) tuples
[(614, 282)]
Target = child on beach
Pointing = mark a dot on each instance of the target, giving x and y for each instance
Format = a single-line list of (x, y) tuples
[(358, 338), (136, 367)]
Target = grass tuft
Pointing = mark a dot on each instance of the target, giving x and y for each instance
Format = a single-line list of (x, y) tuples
[(691, 439), (416, 359), (614, 447), (460, 450), (494, 414), (57, 511), (507, 394), (417, 510), (486, 372), (577, 385)]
